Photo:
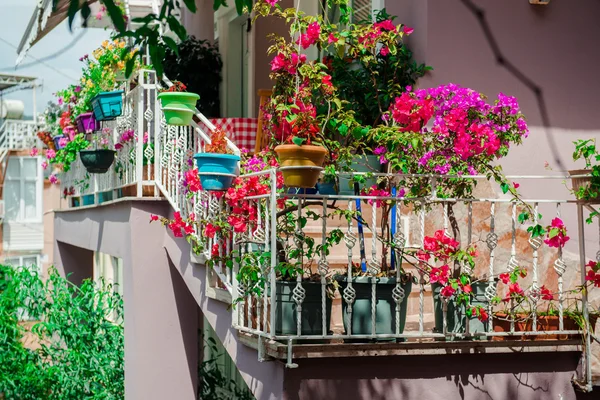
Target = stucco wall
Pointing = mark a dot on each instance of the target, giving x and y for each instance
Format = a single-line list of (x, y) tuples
[(461, 377)]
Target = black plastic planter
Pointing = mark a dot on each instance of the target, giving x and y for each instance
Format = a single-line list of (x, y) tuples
[(97, 161)]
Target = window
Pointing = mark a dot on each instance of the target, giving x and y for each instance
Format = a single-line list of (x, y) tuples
[(30, 261), (23, 190)]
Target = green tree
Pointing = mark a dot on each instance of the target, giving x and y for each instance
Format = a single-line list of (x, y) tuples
[(75, 339)]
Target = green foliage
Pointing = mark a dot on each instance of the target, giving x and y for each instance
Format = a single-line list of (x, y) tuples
[(586, 150), (147, 34), (78, 332), (198, 64), (70, 152)]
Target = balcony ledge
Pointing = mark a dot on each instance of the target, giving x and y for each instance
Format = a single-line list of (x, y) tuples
[(278, 350)]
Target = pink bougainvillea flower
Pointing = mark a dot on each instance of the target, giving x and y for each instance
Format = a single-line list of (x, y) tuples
[(272, 3), (556, 234), (311, 36), (62, 142), (332, 39), (440, 275), (505, 278), (53, 179), (44, 165), (516, 185), (384, 51), (153, 217), (386, 25), (34, 152), (50, 154), (407, 30)]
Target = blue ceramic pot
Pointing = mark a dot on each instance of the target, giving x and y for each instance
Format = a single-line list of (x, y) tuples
[(108, 105), (327, 188), (210, 164)]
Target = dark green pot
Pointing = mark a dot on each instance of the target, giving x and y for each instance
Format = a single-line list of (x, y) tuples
[(362, 163), (286, 315), (385, 311), (97, 161), (456, 317)]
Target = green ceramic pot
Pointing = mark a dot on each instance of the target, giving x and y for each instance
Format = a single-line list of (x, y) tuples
[(455, 315), (286, 315), (385, 309), (178, 107)]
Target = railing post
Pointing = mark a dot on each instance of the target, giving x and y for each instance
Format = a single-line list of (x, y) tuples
[(139, 152)]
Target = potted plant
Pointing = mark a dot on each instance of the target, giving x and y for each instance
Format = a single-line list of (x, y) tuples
[(100, 158), (87, 123), (586, 182), (199, 64), (217, 167), (108, 105), (518, 313), (178, 105)]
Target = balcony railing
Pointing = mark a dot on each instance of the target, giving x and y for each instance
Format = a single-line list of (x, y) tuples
[(335, 283), (17, 135)]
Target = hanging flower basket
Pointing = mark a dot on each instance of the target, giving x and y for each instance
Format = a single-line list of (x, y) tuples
[(56, 140), (300, 165), (87, 123), (216, 171), (178, 107), (97, 161), (108, 105)]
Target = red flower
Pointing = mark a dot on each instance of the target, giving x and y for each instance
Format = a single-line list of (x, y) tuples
[(467, 289), (215, 250), (447, 291), (505, 278), (407, 30), (515, 289), (482, 315), (152, 217), (210, 230), (546, 293)]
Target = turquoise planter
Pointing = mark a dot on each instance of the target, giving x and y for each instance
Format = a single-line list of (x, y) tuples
[(286, 315), (369, 163), (108, 105), (385, 309), (87, 200), (216, 171), (456, 317)]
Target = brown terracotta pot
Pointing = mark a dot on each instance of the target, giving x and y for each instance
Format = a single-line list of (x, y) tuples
[(291, 155), (584, 182), (524, 323)]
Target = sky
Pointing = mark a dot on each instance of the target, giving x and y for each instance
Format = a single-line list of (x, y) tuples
[(62, 46)]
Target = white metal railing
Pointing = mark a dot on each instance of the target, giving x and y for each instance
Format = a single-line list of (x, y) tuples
[(154, 155), (490, 223), (17, 135)]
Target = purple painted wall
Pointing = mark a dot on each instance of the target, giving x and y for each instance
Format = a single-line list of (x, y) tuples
[(462, 377)]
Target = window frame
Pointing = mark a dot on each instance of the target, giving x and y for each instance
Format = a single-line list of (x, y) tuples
[(38, 180)]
